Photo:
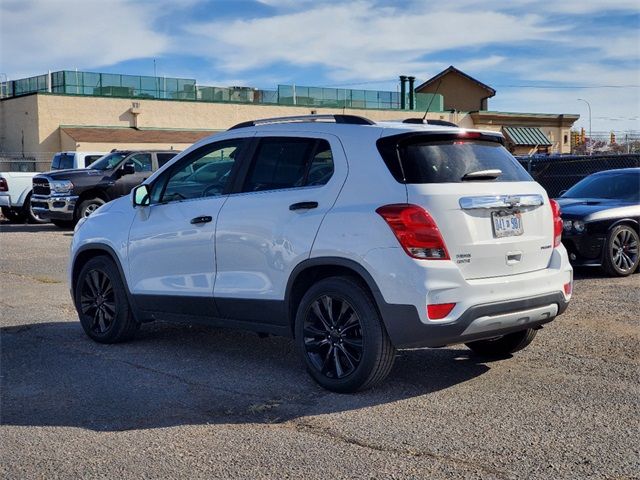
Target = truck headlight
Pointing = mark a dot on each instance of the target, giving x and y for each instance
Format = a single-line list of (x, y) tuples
[(61, 186), (578, 226)]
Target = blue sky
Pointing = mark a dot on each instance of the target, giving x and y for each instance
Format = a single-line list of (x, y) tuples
[(540, 56)]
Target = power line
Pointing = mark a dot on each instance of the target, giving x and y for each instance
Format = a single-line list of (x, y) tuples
[(567, 86)]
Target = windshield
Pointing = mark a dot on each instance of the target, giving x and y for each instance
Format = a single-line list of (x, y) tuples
[(108, 161), (622, 186)]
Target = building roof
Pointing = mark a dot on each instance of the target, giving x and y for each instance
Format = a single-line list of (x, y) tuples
[(527, 136), (134, 135), (462, 74)]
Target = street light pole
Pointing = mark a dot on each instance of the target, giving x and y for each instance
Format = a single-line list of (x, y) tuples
[(590, 137)]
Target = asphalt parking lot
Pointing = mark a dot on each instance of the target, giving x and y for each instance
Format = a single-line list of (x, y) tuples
[(195, 402)]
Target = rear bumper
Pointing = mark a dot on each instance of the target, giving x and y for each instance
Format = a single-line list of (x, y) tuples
[(54, 207), (476, 323), (484, 308)]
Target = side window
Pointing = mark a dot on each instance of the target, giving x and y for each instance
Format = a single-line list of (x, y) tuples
[(282, 162), (164, 158), (204, 173), (89, 159), (321, 168), (141, 162)]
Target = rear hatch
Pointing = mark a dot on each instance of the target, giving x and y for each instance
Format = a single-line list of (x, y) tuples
[(494, 219)]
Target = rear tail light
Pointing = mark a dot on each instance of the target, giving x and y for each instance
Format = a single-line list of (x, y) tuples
[(416, 231), (568, 288), (3, 185), (557, 222), (439, 310)]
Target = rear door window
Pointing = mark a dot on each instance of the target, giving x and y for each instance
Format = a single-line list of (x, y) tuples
[(449, 160), (282, 162)]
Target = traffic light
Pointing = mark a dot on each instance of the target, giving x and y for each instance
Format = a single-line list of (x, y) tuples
[(582, 136)]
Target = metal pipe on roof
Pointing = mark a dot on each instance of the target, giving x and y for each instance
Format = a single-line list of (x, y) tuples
[(411, 92), (403, 92)]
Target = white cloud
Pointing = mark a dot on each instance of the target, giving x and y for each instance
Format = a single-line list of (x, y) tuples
[(59, 34), (360, 40)]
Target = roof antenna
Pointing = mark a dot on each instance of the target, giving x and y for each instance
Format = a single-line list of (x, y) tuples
[(431, 101)]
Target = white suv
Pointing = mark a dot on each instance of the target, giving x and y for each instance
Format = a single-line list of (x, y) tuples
[(356, 238)]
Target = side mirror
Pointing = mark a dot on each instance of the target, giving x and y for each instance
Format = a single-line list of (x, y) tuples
[(128, 168), (141, 196)]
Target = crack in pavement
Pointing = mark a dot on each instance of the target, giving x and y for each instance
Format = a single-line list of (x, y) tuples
[(37, 278), (327, 433)]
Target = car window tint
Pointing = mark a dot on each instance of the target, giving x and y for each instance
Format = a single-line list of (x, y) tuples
[(321, 168), (279, 163), (164, 158), (622, 186), (204, 173), (89, 159), (141, 162)]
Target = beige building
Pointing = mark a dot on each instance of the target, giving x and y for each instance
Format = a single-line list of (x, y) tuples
[(35, 125)]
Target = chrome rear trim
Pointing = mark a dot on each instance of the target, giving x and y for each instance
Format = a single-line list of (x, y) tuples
[(501, 201)]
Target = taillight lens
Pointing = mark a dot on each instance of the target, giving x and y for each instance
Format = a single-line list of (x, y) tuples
[(3, 185), (557, 222), (439, 310), (416, 231)]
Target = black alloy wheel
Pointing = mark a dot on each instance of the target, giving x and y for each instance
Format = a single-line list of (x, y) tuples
[(333, 336), (341, 336), (97, 301), (102, 302), (621, 255)]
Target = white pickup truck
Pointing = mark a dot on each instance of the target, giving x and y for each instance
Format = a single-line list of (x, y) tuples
[(15, 196)]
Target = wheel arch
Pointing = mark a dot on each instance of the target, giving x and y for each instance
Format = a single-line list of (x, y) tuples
[(306, 273), (87, 195), (632, 222), (92, 250)]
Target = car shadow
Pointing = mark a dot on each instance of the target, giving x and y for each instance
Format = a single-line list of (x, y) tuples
[(53, 375), (9, 227)]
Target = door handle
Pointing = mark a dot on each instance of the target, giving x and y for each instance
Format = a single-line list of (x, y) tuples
[(202, 219), (303, 206)]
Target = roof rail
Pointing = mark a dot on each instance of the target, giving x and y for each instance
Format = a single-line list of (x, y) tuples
[(337, 118), (421, 121)]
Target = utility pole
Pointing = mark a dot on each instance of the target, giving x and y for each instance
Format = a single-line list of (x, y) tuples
[(590, 137)]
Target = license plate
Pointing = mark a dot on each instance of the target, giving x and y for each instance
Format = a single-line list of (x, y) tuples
[(507, 224)]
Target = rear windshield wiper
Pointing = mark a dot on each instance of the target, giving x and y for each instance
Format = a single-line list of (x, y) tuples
[(482, 175)]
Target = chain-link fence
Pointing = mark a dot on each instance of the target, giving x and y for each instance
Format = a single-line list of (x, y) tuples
[(559, 173), (25, 162)]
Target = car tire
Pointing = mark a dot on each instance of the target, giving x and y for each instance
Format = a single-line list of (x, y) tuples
[(621, 251), (504, 345), (14, 216), (341, 336), (30, 214), (102, 303), (87, 207)]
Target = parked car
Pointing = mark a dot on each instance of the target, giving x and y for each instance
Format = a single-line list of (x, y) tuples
[(65, 196), (15, 197), (356, 238), (71, 160), (601, 221)]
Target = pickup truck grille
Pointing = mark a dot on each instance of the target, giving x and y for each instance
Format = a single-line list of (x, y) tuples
[(41, 186)]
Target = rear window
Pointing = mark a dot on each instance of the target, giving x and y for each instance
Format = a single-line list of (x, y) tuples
[(164, 158), (62, 161), (449, 160)]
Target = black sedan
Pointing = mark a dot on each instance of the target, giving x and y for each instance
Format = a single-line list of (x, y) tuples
[(601, 215)]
